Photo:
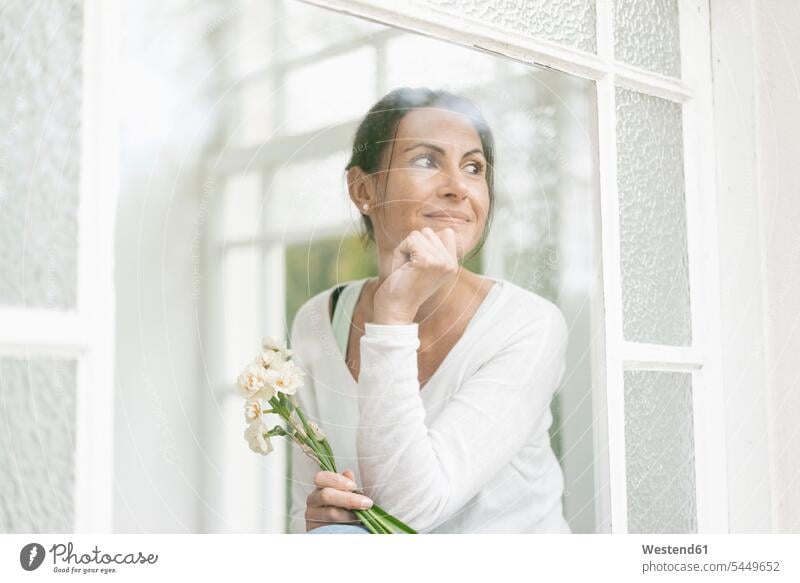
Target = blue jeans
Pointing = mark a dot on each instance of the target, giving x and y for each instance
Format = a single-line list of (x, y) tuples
[(339, 529)]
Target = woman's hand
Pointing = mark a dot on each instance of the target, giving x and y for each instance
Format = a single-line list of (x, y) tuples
[(332, 501), (421, 264)]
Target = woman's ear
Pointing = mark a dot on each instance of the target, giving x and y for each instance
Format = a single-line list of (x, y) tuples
[(360, 189)]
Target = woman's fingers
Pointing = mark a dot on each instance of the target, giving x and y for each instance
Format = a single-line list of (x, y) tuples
[(443, 244), (325, 479), (338, 498), (448, 238), (329, 515)]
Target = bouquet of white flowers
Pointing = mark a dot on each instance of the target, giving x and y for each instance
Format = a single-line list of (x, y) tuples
[(269, 384)]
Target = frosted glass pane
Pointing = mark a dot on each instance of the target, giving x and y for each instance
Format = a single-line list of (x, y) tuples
[(647, 35), (37, 445), (40, 104), (568, 22), (659, 452), (653, 254), (311, 195)]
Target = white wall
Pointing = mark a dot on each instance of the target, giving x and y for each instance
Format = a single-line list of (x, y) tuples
[(777, 23)]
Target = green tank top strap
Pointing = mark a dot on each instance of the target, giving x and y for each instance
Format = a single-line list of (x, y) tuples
[(343, 313)]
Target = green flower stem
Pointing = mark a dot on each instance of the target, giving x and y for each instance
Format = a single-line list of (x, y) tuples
[(376, 520), (368, 520)]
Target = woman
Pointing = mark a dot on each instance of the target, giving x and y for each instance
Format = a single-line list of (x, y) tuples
[(433, 383)]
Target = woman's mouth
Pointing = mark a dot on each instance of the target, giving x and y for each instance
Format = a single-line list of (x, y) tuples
[(447, 218)]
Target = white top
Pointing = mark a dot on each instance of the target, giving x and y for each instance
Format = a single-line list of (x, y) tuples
[(343, 311), (470, 452)]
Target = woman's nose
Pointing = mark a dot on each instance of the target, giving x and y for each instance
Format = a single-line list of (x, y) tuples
[(454, 186)]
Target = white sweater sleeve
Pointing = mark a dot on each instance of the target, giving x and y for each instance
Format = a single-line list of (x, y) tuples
[(423, 475)]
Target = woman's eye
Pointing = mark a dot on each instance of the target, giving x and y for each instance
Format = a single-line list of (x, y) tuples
[(476, 167), (424, 161)]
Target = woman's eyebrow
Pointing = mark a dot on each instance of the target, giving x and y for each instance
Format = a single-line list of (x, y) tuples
[(425, 145), (441, 150)]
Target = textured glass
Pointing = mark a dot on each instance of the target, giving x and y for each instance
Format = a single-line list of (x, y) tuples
[(37, 445), (40, 105), (653, 253), (567, 22), (659, 452), (647, 35)]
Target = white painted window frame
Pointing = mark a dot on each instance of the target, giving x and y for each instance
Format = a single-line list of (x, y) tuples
[(86, 334), (704, 358)]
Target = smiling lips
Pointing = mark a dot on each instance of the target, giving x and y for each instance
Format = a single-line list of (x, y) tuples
[(452, 217)]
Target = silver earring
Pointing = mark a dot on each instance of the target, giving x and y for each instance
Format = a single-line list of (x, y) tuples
[(365, 206)]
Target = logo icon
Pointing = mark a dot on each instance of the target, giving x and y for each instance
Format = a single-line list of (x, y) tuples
[(31, 556)]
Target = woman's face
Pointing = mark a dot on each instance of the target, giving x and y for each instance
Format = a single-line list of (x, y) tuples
[(437, 179)]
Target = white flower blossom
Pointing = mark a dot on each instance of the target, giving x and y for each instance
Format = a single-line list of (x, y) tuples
[(253, 383), (270, 359), (269, 344), (253, 411), (286, 378), (257, 439)]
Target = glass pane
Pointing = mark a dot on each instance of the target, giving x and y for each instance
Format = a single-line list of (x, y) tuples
[(647, 35), (256, 119), (568, 22), (37, 445), (445, 64), (311, 195), (242, 205), (654, 260), (40, 104), (242, 289), (659, 452), (253, 29), (529, 167), (347, 83), (309, 30)]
